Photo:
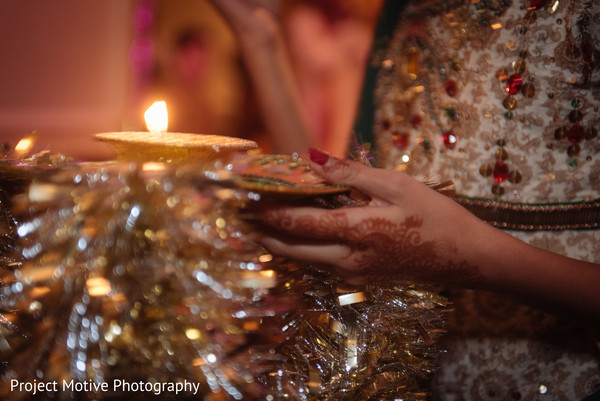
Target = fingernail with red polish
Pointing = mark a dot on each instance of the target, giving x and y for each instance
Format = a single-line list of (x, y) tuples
[(317, 156)]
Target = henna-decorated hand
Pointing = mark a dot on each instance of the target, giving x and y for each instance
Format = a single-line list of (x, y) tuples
[(408, 232)]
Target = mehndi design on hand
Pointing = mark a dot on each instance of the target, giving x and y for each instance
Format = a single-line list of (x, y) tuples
[(380, 250)]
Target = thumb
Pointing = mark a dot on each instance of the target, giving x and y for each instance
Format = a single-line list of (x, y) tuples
[(380, 183)]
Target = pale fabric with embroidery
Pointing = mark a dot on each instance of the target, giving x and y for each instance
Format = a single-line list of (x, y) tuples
[(500, 350), (547, 176)]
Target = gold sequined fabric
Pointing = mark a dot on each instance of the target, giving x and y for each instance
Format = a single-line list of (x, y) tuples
[(502, 98)]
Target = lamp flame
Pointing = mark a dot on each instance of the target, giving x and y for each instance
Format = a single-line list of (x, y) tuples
[(25, 145), (157, 117)]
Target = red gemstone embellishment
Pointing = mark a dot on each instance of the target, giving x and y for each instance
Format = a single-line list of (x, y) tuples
[(415, 120), (500, 172), (514, 84), (400, 139), (576, 133), (449, 139), (536, 4), (450, 87)]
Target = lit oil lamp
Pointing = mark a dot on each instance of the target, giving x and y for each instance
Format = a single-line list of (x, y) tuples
[(159, 145)]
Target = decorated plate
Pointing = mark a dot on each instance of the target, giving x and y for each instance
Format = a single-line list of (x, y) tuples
[(281, 175)]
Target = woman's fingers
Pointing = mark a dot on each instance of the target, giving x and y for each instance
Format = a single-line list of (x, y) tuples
[(346, 225), (235, 11), (387, 185), (246, 17), (337, 259), (307, 222), (313, 252)]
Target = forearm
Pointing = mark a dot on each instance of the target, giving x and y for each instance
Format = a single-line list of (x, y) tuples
[(265, 56), (536, 276), (278, 97)]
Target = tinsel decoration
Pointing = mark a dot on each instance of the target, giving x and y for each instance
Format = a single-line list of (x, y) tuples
[(369, 343), (132, 275), (150, 275), (14, 179), (9, 253)]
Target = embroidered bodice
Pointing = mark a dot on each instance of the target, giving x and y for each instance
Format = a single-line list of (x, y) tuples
[(501, 97)]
